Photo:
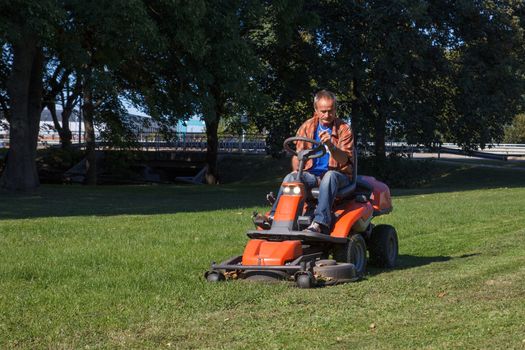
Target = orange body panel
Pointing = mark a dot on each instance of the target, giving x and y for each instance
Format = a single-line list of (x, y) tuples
[(288, 204), (380, 197), (261, 252), (348, 216)]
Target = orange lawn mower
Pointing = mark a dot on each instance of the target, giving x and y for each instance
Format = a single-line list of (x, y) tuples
[(281, 250)]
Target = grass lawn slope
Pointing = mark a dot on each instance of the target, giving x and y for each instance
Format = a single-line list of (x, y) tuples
[(123, 267)]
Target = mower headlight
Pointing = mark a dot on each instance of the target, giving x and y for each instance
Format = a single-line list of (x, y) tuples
[(297, 190), (287, 190)]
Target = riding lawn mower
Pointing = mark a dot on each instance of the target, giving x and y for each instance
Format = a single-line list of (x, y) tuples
[(281, 250)]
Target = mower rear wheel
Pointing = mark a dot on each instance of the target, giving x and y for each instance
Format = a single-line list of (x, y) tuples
[(383, 246), (353, 252)]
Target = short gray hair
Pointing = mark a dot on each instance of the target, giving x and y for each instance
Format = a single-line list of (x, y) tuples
[(325, 94)]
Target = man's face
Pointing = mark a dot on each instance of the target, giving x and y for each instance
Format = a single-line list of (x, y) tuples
[(325, 111)]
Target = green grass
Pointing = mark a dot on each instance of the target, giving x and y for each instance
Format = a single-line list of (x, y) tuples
[(122, 267)]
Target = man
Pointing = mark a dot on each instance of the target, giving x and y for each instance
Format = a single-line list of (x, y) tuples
[(332, 171)]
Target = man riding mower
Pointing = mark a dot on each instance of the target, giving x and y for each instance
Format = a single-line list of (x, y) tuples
[(295, 241)]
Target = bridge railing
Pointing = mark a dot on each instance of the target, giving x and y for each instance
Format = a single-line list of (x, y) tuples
[(247, 143)]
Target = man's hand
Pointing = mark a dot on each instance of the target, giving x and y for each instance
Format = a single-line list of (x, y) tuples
[(335, 152), (324, 136)]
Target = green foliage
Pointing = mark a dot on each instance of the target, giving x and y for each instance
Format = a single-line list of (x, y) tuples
[(420, 71), (515, 133), (486, 70), (285, 40), (58, 158), (52, 162), (398, 171), (120, 165)]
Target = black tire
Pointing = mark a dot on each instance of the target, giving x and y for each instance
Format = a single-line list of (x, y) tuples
[(383, 246), (305, 281), (214, 276), (353, 252)]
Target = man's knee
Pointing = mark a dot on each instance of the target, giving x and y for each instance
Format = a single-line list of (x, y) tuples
[(290, 177), (331, 174), (330, 177)]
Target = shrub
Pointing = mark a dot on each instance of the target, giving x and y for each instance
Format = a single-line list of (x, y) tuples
[(398, 171), (52, 162)]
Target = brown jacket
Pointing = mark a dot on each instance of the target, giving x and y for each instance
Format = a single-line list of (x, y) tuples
[(342, 137)]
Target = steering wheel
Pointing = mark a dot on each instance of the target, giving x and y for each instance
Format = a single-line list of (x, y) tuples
[(317, 151)]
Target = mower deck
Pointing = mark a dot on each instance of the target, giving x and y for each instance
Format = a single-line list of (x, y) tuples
[(307, 271)]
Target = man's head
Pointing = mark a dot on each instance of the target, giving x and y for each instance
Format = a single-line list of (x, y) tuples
[(325, 106)]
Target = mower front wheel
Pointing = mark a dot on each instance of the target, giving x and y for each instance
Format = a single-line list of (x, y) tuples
[(214, 276), (305, 280), (353, 252), (383, 246)]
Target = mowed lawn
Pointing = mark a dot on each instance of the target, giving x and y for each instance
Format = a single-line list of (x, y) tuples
[(123, 267)]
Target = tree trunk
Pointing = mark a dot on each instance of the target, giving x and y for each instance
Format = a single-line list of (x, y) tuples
[(25, 93), (88, 111), (212, 125), (63, 130), (67, 109), (379, 139)]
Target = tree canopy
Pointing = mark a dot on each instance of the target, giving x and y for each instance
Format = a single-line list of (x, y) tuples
[(420, 71)]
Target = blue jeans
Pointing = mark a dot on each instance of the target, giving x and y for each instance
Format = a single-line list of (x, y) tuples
[(331, 182)]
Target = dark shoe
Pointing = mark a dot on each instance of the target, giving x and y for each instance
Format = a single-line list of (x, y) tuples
[(317, 228), (262, 221)]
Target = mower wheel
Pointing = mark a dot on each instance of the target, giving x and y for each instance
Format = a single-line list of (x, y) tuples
[(305, 280), (353, 252), (383, 246), (214, 276)]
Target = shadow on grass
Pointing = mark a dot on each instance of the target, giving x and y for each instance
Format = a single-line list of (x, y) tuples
[(72, 200), (61, 201), (406, 261)]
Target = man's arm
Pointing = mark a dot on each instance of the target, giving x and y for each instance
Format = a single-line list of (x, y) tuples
[(338, 154)]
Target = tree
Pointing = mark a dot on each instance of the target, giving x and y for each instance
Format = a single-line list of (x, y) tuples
[(58, 90), (208, 67), (515, 132), (227, 71), (387, 65), (285, 40), (26, 28), (487, 59)]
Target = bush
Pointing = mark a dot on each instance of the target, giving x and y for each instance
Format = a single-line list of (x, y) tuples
[(122, 164), (397, 170), (58, 159), (52, 162)]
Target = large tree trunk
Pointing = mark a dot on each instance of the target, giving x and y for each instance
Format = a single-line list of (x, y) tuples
[(212, 126), (88, 111), (25, 93)]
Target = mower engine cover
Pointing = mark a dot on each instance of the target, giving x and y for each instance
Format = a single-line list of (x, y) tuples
[(380, 198), (263, 253)]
